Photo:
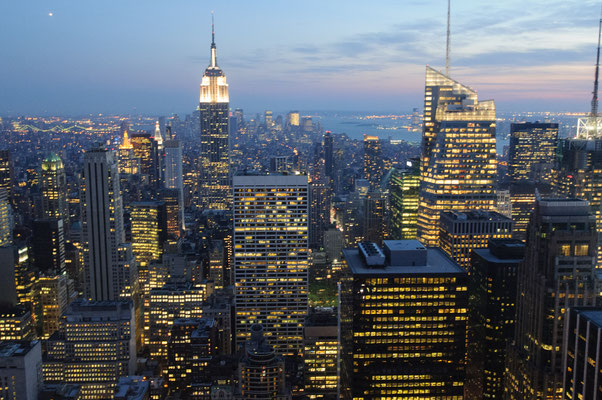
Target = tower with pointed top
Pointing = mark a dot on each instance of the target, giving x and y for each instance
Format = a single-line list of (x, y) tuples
[(458, 164), (215, 185)]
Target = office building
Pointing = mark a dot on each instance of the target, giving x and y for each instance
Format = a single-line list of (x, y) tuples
[(320, 354), (94, 346), (6, 228), (6, 172), (270, 240), (279, 164), (158, 134), (146, 150), (261, 370), (458, 162), (578, 174), (558, 272), (49, 245), (20, 370), (329, 169), (268, 118), (504, 203), (173, 174), (319, 212), (532, 151), (403, 200), (462, 232), (582, 353), (16, 323), (109, 268), (52, 295), (165, 304), (190, 349), (403, 316), (373, 160), (215, 182), (129, 164), (54, 189), (293, 119), (491, 316), (374, 222), (174, 211)]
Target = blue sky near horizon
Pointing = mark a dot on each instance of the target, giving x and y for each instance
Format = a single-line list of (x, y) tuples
[(147, 56)]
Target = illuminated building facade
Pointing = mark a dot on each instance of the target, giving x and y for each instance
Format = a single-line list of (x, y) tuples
[(190, 349), (6, 229), (558, 272), (271, 258), (173, 175), (261, 370), (458, 162), (293, 119), (319, 212), (149, 231), (320, 354), (52, 296), (109, 268), (403, 201), (16, 323), (403, 316), (128, 163), (578, 174), (215, 183), (532, 151), (173, 300), (373, 160), (582, 353), (462, 232), (49, 245), (54, 189), (6, 172), (146, 150), (94, 346), (491, 317), (174, 211), (20, 369)]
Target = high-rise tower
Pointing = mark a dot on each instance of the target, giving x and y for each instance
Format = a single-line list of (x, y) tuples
[(458, 167), (107, 259), (54, 189), (215, 182)]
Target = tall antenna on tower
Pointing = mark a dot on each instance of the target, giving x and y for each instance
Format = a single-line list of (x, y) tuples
[(595, 92), (212, 30), (448, 39)]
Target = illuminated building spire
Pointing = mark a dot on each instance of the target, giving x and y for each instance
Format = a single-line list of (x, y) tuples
[(594, 112), (158, 137), (591, 127), (126, 143)]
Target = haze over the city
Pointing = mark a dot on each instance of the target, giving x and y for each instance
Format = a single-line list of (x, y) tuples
[(148, 56)]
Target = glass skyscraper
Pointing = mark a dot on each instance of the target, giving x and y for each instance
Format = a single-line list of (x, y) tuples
[(458, 164)]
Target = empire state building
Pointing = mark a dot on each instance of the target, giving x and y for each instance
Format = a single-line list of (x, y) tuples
[(215, 184)]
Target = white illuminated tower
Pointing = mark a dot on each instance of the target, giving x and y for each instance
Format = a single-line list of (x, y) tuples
[(215, 185), (270, 258)]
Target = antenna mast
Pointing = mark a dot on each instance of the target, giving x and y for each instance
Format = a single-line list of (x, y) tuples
[(212, 29), (595, 92), (448, 39)]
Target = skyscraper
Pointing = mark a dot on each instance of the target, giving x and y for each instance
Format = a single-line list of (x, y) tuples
[(458, 163), (271, 258), (491, 316), (399, 338), (319, 212), (215, 182), (373, 160), (558, 272), (329, 156), (6, 172), (107, 260), (532, 151), (403, 199), (320, 355), (54, 189), (146, 149), (128, 163), (49, 246), (6, 229), (462, 232), (173, 173)]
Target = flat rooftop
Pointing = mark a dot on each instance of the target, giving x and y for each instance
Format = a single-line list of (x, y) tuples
[(437, 263), (16, 348)]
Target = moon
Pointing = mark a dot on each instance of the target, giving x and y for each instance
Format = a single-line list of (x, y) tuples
[(50, 14)]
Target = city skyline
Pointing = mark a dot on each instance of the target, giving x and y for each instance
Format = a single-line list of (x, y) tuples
[(332, 57)]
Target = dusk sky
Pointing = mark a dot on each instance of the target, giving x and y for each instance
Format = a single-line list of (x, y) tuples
[(148, 56)]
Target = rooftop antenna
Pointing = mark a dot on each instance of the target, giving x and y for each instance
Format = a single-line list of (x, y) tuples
[(595, 92), (212, 30), (448, 39)]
